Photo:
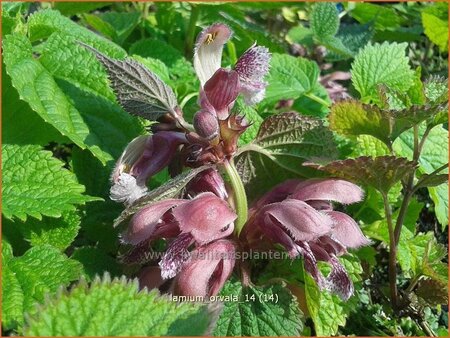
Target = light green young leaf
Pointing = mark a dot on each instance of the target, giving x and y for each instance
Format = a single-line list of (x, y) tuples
[(324, 20), (57, 232), (383, 17), (384, 64), (255, 315), (435, 24), (34, 183), (41, 270), (290, 77), (283, 143), (116, 308), (367, 145)]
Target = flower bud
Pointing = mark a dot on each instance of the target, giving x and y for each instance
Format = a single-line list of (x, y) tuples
[(207, 271), (207, 125), (222, 90)]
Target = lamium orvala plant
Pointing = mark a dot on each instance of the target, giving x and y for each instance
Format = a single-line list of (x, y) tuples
[(207, 222), (226, 169)]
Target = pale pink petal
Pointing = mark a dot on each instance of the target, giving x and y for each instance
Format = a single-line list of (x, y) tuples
[(208, 50), (277, 193), (176, 255), (145, 222), (302, 222), (222, 90), (126, 189), (277, 234), (252, 67), (207, 217), (328, 190), (347, 231), (207, 271)]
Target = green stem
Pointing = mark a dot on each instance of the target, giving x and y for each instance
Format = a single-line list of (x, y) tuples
[(317, 99), (392, 253), (240, 198), (190, 36)]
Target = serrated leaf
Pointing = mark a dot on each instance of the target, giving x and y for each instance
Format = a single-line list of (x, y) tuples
[(21, 125), (169, 189), (354, 118), (34, 183), (324, 20), (283, 143), (435, 24), (290, 77), (41, 270), (432, 292), (57, 232), (367, 145), (139, 91), (96, 262), (43, 23), (383, 17), (431, 180), (122, 22), (379, 172), (353, 37), (254, 315), (114, 308), (381, 64), (38, 88)]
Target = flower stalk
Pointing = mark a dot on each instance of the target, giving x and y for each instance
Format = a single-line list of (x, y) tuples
[(239, 196)]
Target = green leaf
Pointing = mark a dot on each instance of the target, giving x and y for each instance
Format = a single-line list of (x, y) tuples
[(434, 155), (123, 23), (96, 262), (353, 37), (98, 216), (170, 189), (300, 35), (324, 20), (38, 88), (259, 311), (435, 23), (290, 77), (283, 143), (57, 232), (326, 310), (384, 64), (367, 145), (139, 91), (114, 308), (35, 184), (354, 118), (41, 270), (21, 124), (382, 172), (42, 24), (383, 17)]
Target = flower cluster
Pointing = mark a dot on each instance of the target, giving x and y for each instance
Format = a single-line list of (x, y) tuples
[(200, 226), (299, 216)]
